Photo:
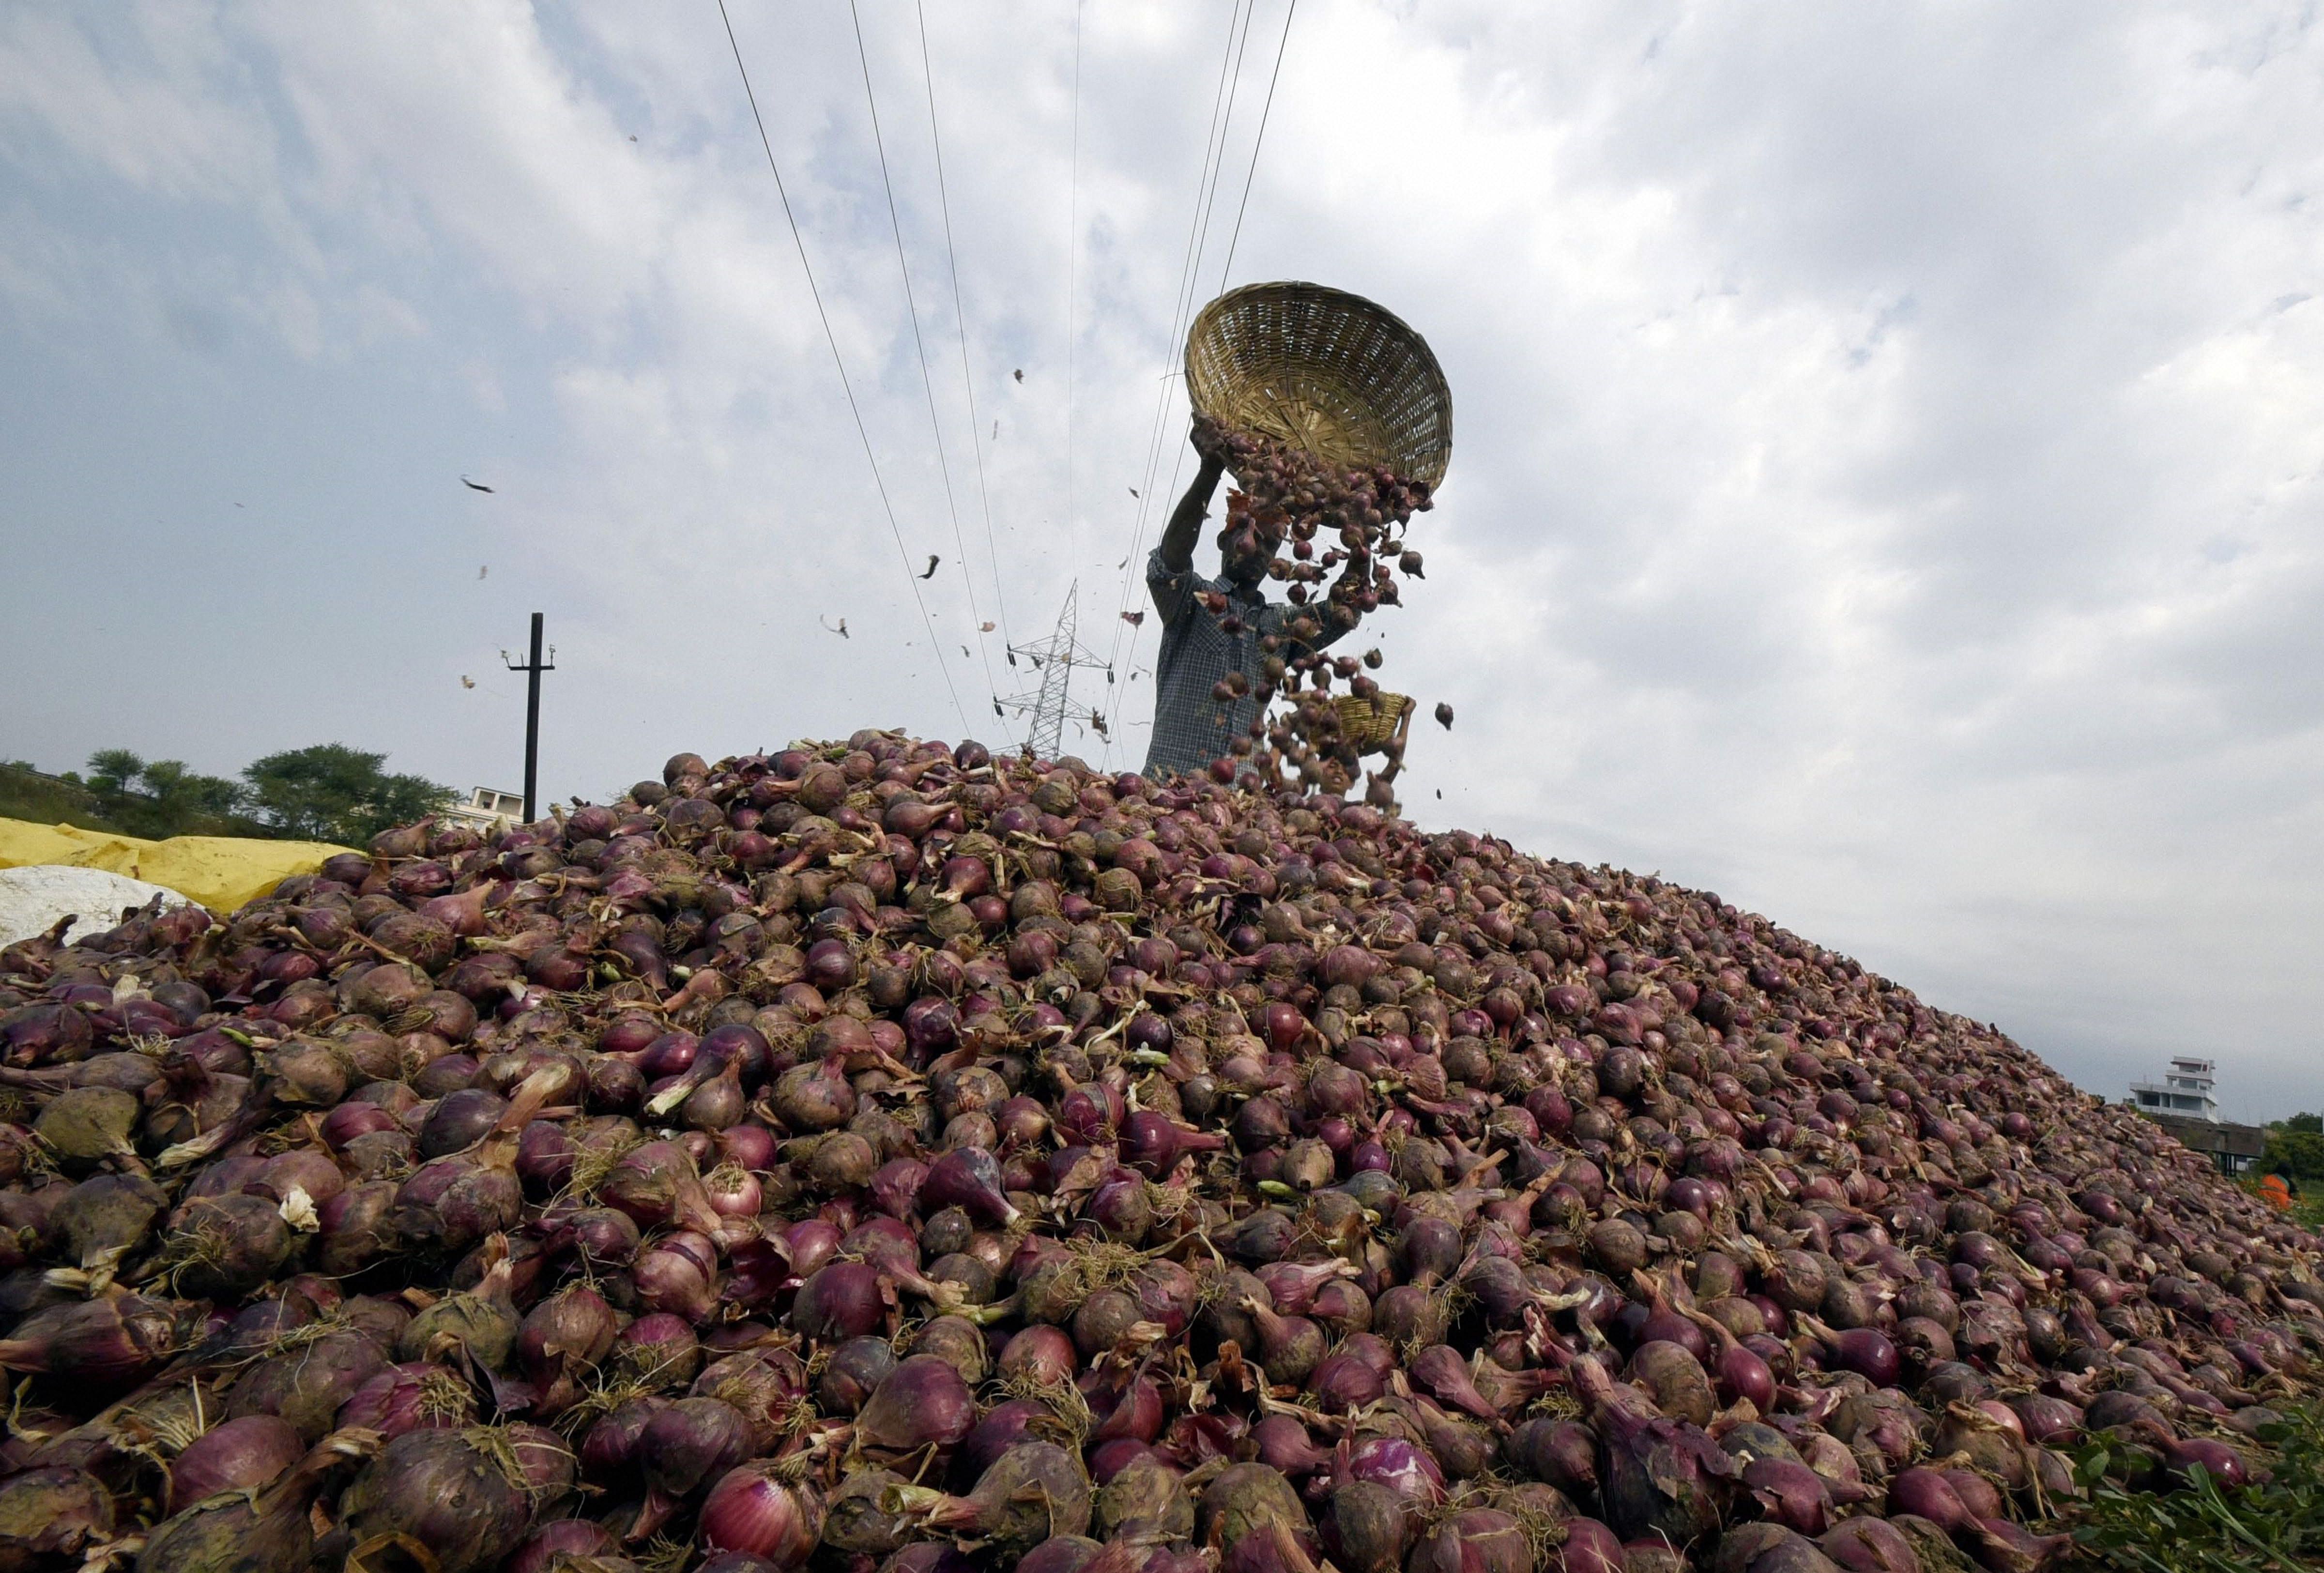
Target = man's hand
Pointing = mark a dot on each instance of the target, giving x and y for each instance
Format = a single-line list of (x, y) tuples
[(1213, 466)]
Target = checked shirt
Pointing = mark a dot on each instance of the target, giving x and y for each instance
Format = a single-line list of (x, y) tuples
[(1191, 728)]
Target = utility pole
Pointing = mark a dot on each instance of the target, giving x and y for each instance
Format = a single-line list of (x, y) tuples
[(1049, 705), (532, 669)]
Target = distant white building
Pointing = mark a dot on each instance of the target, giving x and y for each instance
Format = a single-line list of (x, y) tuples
[(485, 810), (2184, 1091)]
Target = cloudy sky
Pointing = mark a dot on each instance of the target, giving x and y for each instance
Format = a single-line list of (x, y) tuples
[(1886, 487)]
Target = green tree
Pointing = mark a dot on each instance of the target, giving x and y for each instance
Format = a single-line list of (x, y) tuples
[(2306, 1122), (2297, 1153), (182, 796), (159, 799), (112, 770), (333, 792)]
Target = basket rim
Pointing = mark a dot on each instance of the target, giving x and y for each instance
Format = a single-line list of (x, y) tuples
[(1439, 392)]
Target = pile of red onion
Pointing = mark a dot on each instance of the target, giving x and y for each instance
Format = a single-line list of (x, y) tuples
[(893, 1158)]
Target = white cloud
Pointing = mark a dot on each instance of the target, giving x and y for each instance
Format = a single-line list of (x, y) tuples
[(1886, 464), (155, 108)]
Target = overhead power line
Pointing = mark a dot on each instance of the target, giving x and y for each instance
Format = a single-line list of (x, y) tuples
[(1205, 189), (1234, 91), (1215, 145), (1073, 290), (959, 322), (927, 381), (903, 554), (1258, 142)]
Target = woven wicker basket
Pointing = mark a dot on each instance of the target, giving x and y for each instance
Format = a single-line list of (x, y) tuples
[(1326, 370), (1368, 724)]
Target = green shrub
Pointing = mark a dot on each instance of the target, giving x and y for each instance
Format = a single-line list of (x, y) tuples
[(2274, 1526)]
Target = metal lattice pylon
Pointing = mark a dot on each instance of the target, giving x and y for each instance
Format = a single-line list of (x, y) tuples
[(1049, 704)]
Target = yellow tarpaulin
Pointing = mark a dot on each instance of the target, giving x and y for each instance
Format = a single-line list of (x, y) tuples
[(221, 872)]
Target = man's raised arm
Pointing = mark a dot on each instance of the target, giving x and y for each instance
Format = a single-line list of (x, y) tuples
[(1177, 548)]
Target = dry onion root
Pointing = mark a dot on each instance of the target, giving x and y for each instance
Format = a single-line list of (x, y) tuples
[(955, 1163)]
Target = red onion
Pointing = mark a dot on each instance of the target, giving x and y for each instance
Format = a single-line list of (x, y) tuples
[(841, 1301), (1927, 1493), (1677, 1380), (814, 1097), (1865, 1544), (2221, 1461), (753, 1510), (1365, 1527), (1658, 1475), (407, 1397), (923, 1401), (686, 1445), (1291, 1286), (1006, 1425), (1031, 1494), (748, 1146), (609, 1448), (895, 1186), (565, 1335), (678, 1273), (659, 1349), (1445, 1373), (658, 1185), (1283, 1444), (559, 1540), (1153, 1143), (1867, 1351), (235, 1455), (855, 1369), (1789, 1493), (272, 1527), (808, 1244), (734, 1192), (1041, 1354), (1477, 1540), (110, 1341), (967, 1177), (1341, 1382), (1592, 1548), (452, 1493), (1404, 1469), (2007, 1548)]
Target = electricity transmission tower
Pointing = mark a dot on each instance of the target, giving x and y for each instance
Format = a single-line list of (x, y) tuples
[(1049, 704)]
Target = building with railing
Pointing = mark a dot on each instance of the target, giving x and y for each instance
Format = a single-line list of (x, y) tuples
[(2183, 1104), (2184, 1091), (485, 810)]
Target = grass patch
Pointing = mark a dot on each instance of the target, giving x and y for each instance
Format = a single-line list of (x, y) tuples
[(2276, 1526), (2307, 1209)]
